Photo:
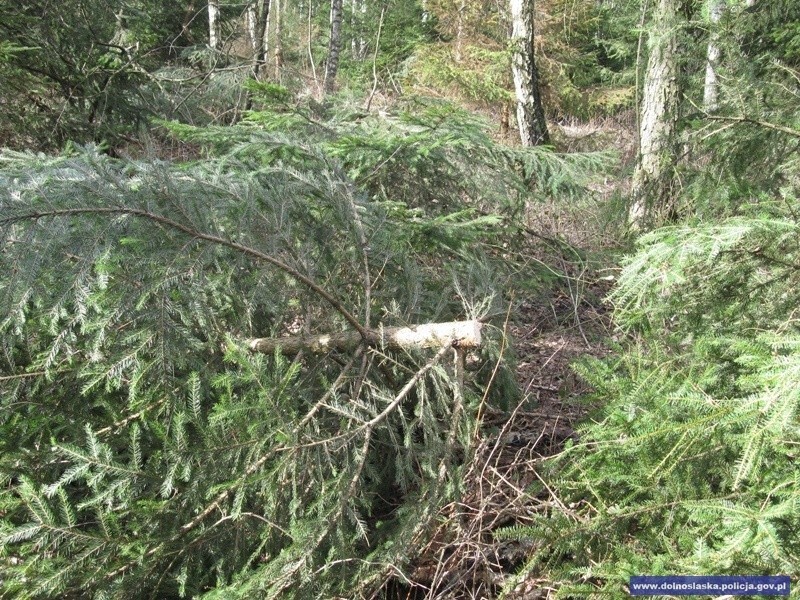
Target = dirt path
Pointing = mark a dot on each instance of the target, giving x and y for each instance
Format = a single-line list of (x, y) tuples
[(465, 560)]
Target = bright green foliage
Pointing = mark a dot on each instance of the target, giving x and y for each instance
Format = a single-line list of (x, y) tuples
[(402, 32), (746, 151), (145, 452), (482, 76), (588, 57), (690, 464), (586, 54)]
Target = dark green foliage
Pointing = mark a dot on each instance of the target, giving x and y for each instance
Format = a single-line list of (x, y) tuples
[(77, 66), (589, 56), (94, 71), (67, 77)]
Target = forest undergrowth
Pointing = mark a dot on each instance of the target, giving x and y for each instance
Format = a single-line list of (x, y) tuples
[(212, 214), (547, 333)]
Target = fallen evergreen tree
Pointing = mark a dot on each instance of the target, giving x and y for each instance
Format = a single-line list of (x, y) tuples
[(146, 450)]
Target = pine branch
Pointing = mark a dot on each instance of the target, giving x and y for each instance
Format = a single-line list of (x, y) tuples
[(308, 282), (760, 123)]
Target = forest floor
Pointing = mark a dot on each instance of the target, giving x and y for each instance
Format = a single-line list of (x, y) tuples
[(465, 558)]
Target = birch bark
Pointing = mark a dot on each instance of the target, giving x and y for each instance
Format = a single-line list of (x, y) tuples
[(213, 24), (278, 55), (257, 27), (530, 113), (711, 86)]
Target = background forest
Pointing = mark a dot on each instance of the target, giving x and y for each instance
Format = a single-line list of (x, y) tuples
[(196, 196)]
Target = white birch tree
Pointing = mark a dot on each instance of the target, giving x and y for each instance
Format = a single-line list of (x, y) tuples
[(277, 9), (711, 86), (258, 32), (213, 24), (530, 113)]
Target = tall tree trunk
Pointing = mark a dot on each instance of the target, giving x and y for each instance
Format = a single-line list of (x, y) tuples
[(309, 42), (711, 87), (462, 15), (362, 40), (278, 55), (213, 24), (251, 14), (358, 45), (353, 27), (334, 46), (257, 23), (265, 37), (659, 115), (530, 113)]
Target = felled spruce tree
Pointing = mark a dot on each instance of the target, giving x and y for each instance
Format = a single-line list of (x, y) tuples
[(145, 450)]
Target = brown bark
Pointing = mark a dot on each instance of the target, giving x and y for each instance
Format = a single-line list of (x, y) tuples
[(464, 334)]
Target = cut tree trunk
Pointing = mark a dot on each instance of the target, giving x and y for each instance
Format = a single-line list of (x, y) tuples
[(652, 178), (530, 113), (334, 46), (463, 334)]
